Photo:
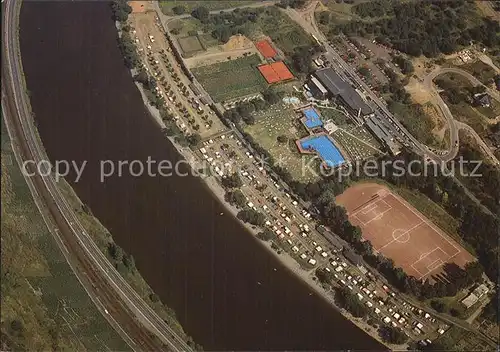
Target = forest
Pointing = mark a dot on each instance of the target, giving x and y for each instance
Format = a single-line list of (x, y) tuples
[(422, 27)]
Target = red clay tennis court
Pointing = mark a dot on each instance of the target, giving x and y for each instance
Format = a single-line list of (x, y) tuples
[(399, 232), (282, 71), (269, 74), (275, 72), (265, 48)]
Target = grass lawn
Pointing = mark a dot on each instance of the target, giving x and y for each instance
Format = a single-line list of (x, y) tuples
[(190, 45), (336, 116), (190, 5), (355, 149), (282, 120), (480, 70), (417, 122), (286, 34), (39, 289), (458, 339), (476, 117), (232, 79)]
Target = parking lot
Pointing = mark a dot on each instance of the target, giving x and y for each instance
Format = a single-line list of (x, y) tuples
[(172, 86), (291, 223), (296, 233)]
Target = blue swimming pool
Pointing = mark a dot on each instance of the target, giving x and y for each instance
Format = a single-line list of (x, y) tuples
[(325, 149), (312, 118)]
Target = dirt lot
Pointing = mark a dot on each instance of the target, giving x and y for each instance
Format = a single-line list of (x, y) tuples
[(399, 232), (139, 6), (235, 48)]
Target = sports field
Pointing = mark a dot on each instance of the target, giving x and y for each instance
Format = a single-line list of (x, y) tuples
[(231, 79), (399, 232)]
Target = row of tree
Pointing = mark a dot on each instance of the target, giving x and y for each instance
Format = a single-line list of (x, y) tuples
[(245, 21), (477, 228)]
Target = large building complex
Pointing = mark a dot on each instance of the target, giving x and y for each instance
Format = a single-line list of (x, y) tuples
[(327, 83), (382, 134)]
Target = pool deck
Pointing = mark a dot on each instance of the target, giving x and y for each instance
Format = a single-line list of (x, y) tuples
[(336, 163)]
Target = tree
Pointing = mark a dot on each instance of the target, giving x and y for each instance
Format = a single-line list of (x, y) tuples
[(142, 77), (129, 262), (364, 71), (201, 13), (265, 235), (194, 139), (282, 139), (237, 198), (271, 96), (178, 10), (324, 18), (115, 252), (438, 306), (121, 9), (232, 181), (251, 216), (17, 327), (323, 275), (393, 335), (347, 300)]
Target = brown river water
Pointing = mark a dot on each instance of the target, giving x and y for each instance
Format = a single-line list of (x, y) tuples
[(207, 267)]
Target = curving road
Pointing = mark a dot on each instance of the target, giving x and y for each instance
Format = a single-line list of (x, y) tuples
[(136, 322), (454, 125), (307, 21)]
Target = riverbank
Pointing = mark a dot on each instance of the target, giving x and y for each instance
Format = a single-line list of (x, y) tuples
[(307, 277), (204, 266)]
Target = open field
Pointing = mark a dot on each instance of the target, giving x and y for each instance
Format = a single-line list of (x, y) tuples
[(457, 339), (190, 45), (44, 306), (190, 5), (399, 232), (481, 71), (285, 34), (231, 79), (238, 46), (276, 121), (353, 146)]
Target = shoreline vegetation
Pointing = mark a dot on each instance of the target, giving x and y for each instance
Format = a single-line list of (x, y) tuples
[(187, 150), (307, 277), (42, 294)]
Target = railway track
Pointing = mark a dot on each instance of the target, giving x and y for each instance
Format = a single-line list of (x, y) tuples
[(132, 318)]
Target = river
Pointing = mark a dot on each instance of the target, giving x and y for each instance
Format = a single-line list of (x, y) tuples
[(217, 278)]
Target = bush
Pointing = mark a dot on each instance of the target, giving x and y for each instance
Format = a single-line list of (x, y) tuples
[(393, 335), (178, 10), (265, 235), (347, 300)]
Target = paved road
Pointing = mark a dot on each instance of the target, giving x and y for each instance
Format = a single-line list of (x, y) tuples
[(454, 125), (308, 22), (215, 12), (140, 326)]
